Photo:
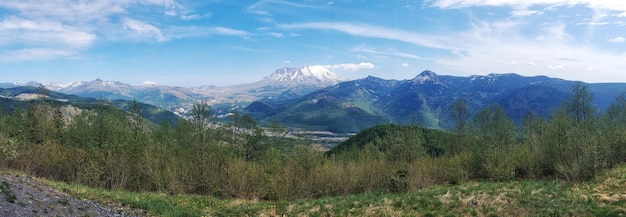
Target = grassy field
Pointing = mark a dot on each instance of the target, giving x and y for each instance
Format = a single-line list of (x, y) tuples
[(603, 196)]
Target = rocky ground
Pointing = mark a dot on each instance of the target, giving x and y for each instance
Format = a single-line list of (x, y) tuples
[(21, 196)]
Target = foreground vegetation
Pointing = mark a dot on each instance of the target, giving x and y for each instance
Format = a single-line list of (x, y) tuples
[(603, 196), (107, 148)]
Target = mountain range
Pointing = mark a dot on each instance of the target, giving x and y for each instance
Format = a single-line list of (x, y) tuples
[(284, 83), (315, 98), (20, 97), (424, 100)]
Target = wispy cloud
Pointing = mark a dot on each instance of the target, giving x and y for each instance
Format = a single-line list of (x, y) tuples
[(143, 30), (276, 34), (363, 49), (619, 6), (195, 16), (179, 32), (34, 32), (365, 30), (79, 11), (35, 54), (259, 6), (61, 28), (617, 40), (487, 45), (351, 66), (247, 49), (228, 31), (263, 8), (525, 12)]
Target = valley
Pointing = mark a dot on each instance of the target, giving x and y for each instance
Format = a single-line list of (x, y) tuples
[(314, 98), (312, 108), (370, 137)]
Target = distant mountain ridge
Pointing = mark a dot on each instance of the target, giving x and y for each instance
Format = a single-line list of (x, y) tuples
[(315, 98), (284, 83), (424, 100), (307, 75), (159, 95), (19, 97)]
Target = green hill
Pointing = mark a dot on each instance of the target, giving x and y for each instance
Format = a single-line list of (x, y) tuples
[(15, 98), (424, 100), (604, 196), (390, 136)]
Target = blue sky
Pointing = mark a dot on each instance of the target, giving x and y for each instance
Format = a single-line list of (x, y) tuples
[(213, 42)]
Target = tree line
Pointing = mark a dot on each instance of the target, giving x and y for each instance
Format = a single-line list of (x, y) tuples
[(105, 147)]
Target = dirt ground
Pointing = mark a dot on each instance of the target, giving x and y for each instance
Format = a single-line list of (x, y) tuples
[(21, 196)]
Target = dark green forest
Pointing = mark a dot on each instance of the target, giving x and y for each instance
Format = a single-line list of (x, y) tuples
[(109, 148)]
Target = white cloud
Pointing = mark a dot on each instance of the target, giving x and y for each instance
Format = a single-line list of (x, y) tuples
[(486, 45), (49, 29), (593, 23), (524, 12), (617, 40), (613, 5), (247, 49), (276, 34), (79, 11), (363, 49), (351, 66), (405, 65), (188, 16), (34, 54), (27, 39), (143, 30), (556, 67), (556, 31), (228, 31), (371, 31), (149, 83), (33, 32), (202, 31), (262, 8)]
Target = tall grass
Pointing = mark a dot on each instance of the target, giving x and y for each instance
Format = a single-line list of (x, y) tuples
[(600, 197)]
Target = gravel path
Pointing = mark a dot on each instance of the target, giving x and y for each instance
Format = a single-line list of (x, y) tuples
[(22, 196)]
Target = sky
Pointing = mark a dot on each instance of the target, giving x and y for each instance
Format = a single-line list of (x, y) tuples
[(213, 42)]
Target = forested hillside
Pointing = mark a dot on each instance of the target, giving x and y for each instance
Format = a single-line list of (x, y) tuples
[(108, 148), (425, 100)]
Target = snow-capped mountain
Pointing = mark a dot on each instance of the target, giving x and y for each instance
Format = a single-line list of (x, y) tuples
[(310, 75), (284, 83), (151, 93), (426, 76), (60, 86), (425, 100), (83, 86)]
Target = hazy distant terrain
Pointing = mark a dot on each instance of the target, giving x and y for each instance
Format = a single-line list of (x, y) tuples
[(313, 97)]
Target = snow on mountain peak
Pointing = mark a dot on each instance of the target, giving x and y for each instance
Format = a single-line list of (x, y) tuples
[(149, 83), (425, 76), (60, 86), (316, 74)]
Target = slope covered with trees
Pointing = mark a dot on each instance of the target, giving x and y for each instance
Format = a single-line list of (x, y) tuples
[(109, 148)]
